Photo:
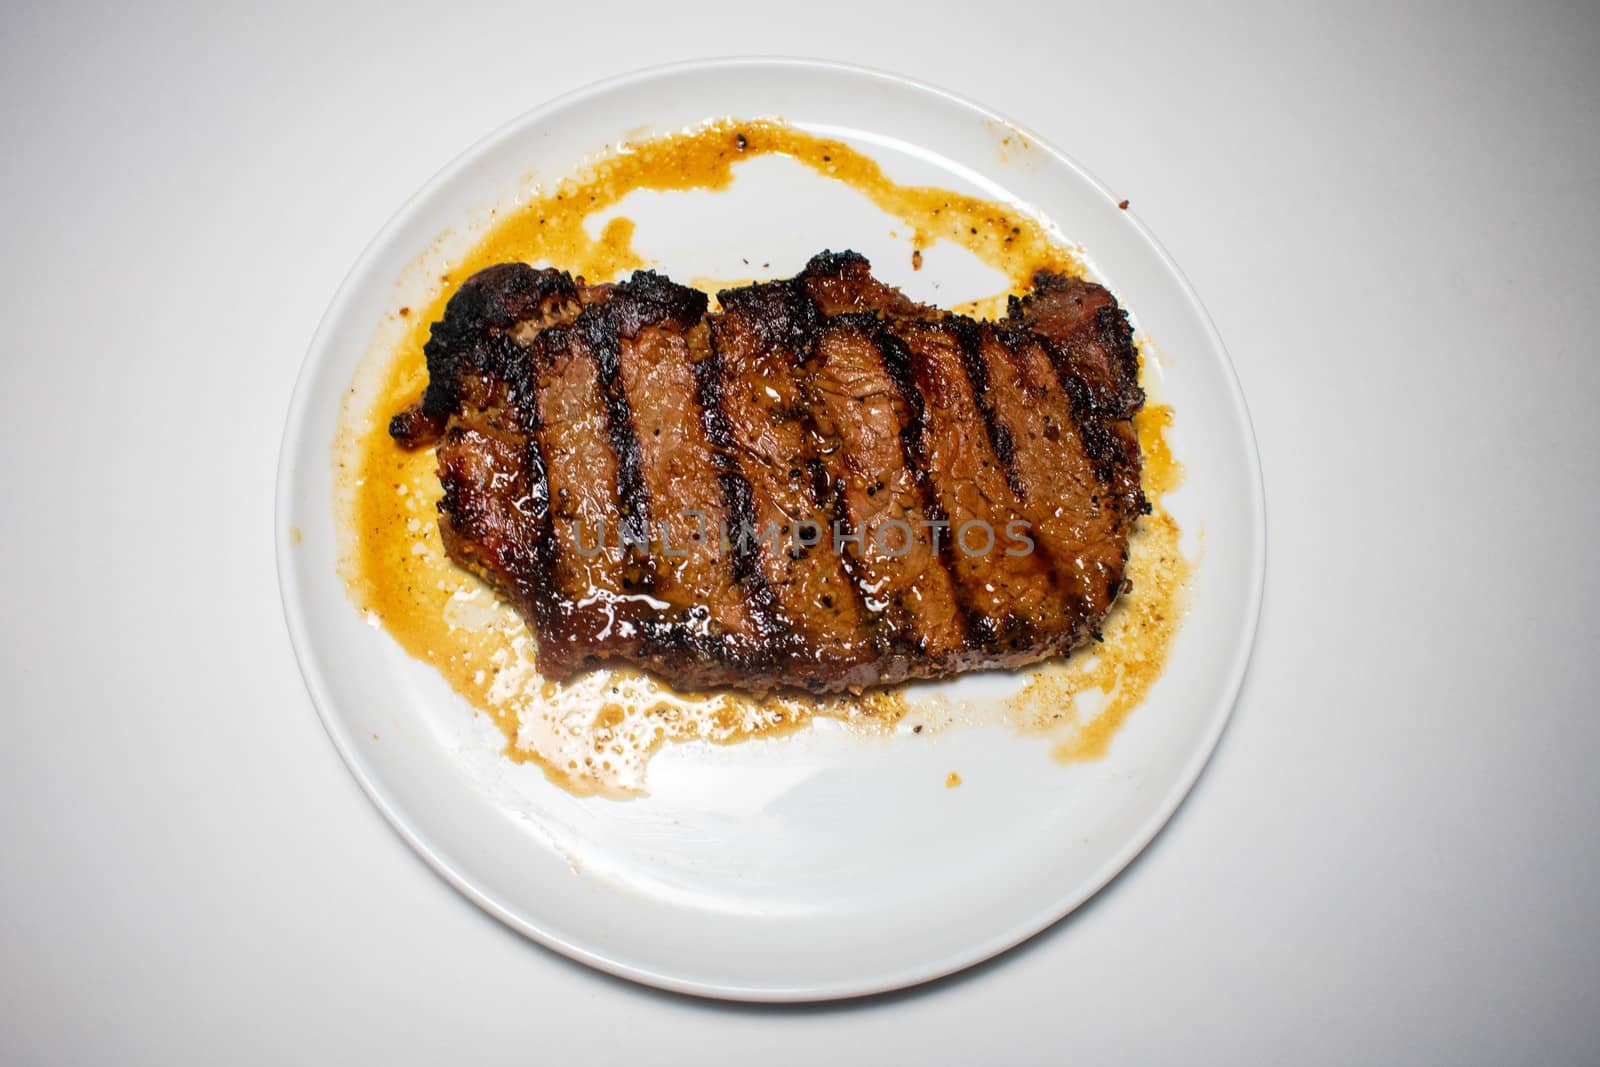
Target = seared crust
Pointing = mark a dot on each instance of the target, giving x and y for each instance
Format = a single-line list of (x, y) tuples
[(641, 479)]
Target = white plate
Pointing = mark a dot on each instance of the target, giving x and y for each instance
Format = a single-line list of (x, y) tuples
[(824, 864)]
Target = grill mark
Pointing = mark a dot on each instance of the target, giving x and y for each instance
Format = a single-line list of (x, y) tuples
[(545, 545), (683, 624), (552, 351), (870, 463), (492, 371), (618, 339), (600, 330), (779, 323), (829, 497), (1104, 327), (1014, 626), (1098, 443), (969, 336), (826, 495), (519, 371), (1013, 344), (738, 503), (896, 358), (522, 384)]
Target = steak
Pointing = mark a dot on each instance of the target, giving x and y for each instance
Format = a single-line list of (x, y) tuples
[(823, 485)]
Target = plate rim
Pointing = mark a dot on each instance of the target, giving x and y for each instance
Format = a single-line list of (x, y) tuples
[(1033, 924)]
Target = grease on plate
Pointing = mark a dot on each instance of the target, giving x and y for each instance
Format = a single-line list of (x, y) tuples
[(595, 734), (1083, 699)]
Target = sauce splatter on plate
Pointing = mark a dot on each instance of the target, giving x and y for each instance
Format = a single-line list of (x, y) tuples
[(595, 734)]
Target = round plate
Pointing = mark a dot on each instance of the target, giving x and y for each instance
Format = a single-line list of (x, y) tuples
[(823, 864)]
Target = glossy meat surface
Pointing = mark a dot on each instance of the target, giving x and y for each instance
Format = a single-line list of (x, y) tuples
[(822, 485)]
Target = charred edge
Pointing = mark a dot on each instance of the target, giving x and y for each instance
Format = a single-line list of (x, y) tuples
[(466, 340), (412, 427), (486, 355), (650, 299), (781, 313), (1112, 329), (739, 509), (897, 361), (829, 264), (1117, 335)]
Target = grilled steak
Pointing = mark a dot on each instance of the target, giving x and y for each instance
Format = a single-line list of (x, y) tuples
[(824, 485)]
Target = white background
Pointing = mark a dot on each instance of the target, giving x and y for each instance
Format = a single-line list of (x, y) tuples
[(1391, 215)]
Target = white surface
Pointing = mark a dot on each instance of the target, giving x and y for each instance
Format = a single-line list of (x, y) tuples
[(818, 865), (1392, 857)]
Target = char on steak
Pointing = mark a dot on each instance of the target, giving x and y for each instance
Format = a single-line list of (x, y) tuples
[(823, 485)]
